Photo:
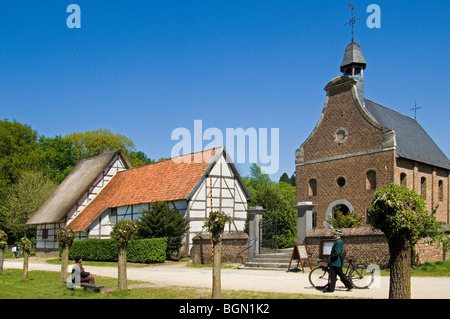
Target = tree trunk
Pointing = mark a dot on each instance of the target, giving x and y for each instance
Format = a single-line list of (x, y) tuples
[(122, 260), (400, 268), (216, 290), (64, 263), (2, 258), (25, 265)]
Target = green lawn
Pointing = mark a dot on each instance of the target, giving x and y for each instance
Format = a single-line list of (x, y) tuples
[(45, 285)]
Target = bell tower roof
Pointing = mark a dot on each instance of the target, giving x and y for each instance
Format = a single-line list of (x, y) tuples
[(353, 62)]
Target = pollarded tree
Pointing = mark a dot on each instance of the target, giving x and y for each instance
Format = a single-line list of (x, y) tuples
[(401, 215), (65, 238), (122, 233), (215, 225), (3, 244), (26, 247)]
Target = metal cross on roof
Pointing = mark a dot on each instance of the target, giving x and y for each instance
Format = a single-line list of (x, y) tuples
[(415, 108), (352, 21)]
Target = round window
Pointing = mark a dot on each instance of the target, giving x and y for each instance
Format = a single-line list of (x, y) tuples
[(341, 181), (340, 135)]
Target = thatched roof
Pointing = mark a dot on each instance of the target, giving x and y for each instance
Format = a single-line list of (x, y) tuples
[(73, 187)]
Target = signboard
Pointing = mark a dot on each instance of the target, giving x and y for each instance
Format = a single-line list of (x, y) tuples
[(299, 253), (325, 247)]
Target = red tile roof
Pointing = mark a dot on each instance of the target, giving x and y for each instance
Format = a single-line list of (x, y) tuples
[(168, 180)]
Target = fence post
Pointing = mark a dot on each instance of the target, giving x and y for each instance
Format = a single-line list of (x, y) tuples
[(304, 219)]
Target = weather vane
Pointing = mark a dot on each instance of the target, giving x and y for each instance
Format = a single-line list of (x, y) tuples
[(352, 22)]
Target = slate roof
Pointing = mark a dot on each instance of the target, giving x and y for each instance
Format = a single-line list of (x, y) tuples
[(353, 55), (412, 142), (73, 187), (172, 179)]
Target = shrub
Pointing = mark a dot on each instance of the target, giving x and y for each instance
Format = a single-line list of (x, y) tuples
[(139, 250), (349, 220), (161, 221), (147, 250)]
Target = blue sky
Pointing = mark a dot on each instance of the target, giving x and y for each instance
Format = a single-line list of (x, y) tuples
[(145, 68)]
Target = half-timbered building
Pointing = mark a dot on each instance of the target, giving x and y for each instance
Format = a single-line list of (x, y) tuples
[(193, 184)]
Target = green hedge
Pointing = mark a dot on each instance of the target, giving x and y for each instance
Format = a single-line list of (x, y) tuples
[(139, 250)]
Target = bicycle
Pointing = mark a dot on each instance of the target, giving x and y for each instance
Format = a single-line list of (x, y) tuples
[(359, 274)]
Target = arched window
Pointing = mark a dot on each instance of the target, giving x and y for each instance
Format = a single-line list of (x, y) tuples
[(423, 188), (312, 187), (441, 190), (371, 180), (403, 179)]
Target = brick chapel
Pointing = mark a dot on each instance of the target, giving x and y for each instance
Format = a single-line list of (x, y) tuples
[(359, 146)]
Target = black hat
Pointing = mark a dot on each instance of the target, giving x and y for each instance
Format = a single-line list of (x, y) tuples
[(77, 258)]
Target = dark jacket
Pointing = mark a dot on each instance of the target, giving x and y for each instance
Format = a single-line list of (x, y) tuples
[(336, 250)]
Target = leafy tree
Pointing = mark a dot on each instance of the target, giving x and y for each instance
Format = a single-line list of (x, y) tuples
[(293, 179), (138, 158), (285, 178), (93, 143), (278, 200), (60, 156), (19, 150), (23, 199), (401, 215), (161, 221)]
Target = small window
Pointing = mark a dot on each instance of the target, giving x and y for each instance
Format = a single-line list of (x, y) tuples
[(341, 181), (423, 188), (312, 187), (441, 190), (371, 180), (314, 220), (403, 179), (45, 233)]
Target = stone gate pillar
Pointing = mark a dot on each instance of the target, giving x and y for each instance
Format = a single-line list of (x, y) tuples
[(304, 219), (254, 222)]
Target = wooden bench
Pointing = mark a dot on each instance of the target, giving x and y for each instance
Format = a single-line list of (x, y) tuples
[(88, 286)]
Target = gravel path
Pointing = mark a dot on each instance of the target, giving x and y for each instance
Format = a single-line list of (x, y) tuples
[(252, 280)]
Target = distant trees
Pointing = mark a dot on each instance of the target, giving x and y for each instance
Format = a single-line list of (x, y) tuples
[(278, 199), (22, 199)]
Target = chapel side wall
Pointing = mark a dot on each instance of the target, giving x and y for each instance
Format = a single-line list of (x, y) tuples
[(434, 193)]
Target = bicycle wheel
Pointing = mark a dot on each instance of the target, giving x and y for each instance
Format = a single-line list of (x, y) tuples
[(318, 277), (361, 276)]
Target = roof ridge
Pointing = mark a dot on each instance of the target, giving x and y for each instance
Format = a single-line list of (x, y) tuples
[(172, 158)]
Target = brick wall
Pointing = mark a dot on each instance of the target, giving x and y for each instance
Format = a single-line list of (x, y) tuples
[(370, 247), (234, 248)]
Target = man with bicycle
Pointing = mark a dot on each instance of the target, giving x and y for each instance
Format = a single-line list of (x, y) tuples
[(336, 264)]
